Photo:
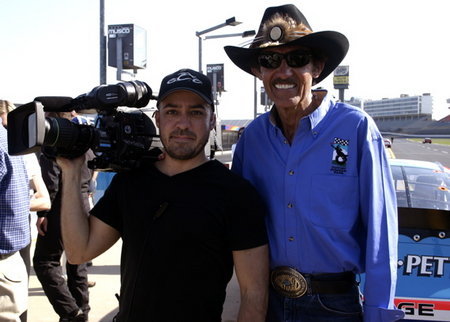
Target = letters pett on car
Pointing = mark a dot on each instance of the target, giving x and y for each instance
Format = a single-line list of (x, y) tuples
[(423, 197)]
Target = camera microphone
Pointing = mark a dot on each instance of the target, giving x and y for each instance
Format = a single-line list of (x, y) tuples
[(56, 103)]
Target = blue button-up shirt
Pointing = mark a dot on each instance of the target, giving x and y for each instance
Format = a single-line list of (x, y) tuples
[(14, 200), (330, 196)]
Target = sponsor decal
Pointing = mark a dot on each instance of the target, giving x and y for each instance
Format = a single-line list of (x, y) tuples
[(424, 265), (424, 309), (113, 32), (122, 30), (340, 155), (185, 76)]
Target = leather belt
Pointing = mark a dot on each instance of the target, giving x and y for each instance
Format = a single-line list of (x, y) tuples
[(289, 282), (5, 256)]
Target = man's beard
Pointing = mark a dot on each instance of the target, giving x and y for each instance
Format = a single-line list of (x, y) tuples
[(184, 151)]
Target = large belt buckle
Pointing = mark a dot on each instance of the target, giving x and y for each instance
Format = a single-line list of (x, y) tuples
[(288, 282)]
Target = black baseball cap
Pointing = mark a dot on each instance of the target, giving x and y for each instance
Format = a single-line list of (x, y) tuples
[(187, 80)]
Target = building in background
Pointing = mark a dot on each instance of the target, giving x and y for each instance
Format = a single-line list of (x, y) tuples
[(404, 107), (404, 114)]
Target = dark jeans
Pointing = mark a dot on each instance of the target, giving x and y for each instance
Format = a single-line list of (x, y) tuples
[(65, 297), (345, 307)]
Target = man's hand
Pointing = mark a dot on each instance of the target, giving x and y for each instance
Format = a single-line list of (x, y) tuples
[(41, 224)]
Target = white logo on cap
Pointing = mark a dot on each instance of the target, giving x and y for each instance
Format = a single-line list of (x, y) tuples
[(184, 76)]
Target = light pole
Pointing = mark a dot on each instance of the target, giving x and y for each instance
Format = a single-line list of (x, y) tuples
[(102, 44), (244, 34), (229, 22), (247, 33)]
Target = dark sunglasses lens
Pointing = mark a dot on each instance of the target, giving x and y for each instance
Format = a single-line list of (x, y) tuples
[(270, 60), (298, 59), (273, 60)]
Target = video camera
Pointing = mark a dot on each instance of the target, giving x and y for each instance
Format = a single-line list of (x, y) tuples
[(121, 138)]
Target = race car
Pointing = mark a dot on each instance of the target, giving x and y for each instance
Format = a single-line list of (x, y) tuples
[(423, 276)]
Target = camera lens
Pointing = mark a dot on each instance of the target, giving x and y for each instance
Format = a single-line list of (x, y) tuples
[(71, 139)]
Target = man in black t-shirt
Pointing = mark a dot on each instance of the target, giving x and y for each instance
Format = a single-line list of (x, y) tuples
[(184, 220)]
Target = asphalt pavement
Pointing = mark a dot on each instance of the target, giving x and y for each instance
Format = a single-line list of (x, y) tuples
[(105, 272)]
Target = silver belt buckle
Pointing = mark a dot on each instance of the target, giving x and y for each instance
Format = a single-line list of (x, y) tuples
[(288, 282)]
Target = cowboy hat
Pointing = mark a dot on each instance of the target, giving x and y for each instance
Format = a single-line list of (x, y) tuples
[(287, 26)]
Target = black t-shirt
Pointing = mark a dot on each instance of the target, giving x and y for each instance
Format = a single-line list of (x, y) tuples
[(178, 233)]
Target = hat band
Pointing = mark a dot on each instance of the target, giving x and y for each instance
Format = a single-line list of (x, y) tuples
[(279, 31)]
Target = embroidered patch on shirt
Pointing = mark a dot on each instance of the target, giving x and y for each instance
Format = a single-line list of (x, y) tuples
[(340, 155)]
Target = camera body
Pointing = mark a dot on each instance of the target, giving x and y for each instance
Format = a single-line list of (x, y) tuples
[(123, 137)]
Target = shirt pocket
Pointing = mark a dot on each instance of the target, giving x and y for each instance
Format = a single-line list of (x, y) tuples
[(334, 201)]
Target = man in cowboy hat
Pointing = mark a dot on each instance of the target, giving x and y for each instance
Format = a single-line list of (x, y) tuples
[(322, 168)]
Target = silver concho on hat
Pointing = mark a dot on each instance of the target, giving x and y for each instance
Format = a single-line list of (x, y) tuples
[(288, 282), (276, 33)]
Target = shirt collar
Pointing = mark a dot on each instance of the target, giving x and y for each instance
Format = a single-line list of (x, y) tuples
[(320, 112), (315, 117)]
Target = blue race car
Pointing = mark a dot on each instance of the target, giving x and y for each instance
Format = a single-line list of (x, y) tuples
[(423, 196)]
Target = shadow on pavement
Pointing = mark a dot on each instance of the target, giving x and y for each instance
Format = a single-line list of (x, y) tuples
[(35, 291), (104, 269), (109, 316)]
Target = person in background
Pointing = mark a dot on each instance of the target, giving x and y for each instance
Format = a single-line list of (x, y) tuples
[(184, 220), (69, 298), (39, 197), (14, 232), (5, 107), (239, 133), (322, 168)]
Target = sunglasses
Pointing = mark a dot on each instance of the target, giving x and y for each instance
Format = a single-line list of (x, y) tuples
[(294, 59)]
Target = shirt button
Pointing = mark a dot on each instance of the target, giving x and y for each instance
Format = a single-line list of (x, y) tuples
[(291, 173), (315, 133), (291, 238), (290, 205), (285, 141)]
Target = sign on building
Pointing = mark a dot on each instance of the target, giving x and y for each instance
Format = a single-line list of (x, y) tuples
[(341, 77), (216, 69), (265, 100), (130, 41)]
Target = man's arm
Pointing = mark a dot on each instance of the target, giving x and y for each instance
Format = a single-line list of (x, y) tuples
[(41, 199), (85, 237), (379, 213), (252, 271)]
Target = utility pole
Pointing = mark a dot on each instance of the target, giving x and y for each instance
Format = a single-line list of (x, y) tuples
[(102, 44), (255, 98)]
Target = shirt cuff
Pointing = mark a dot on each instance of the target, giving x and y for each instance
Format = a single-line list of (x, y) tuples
[(379, 314)]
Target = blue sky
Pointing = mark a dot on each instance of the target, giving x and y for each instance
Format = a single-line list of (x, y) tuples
[(51, 47)]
